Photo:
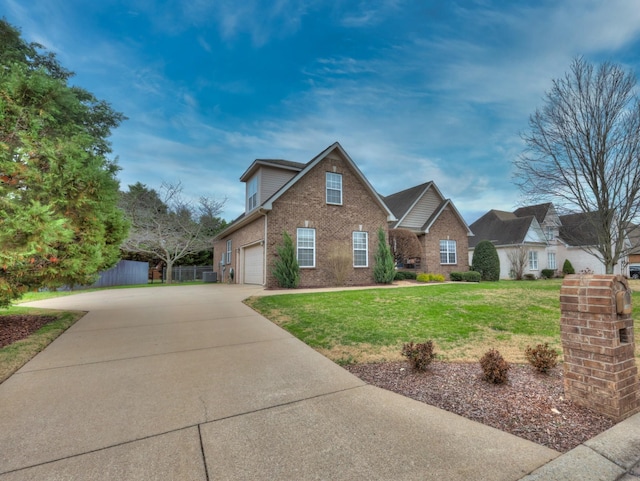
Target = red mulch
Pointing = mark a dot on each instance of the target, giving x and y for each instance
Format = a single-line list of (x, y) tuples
[(18, 326), (530, 405)]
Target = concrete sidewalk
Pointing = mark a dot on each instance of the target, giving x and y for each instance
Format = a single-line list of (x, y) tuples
[(187, 383)]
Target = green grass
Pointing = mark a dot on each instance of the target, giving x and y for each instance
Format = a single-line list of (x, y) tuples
[(16, 355), (463, 319)]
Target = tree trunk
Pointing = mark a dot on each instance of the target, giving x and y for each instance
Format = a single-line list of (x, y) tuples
[(169, 272)]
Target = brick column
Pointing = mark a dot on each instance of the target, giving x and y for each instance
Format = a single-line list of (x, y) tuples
[(600, 371)]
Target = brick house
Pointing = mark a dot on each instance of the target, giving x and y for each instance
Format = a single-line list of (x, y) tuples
[(441, 230), (326, 205)]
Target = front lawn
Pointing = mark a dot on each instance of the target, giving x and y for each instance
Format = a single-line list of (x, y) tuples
[(463, 319)]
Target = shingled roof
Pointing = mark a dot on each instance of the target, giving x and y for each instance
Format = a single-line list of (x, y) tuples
[(501, 228), (400, 202), (538, 211), (279, 163), (577, 229)]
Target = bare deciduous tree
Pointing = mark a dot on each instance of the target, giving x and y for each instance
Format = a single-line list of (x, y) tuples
[(167, 225), (518, 258), (583, 153)]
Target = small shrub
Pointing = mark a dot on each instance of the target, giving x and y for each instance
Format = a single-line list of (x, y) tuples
[(403, 275), (548, 273), (455, 276), (470, 276), (567, 267), (529, 277), (430, 278), (495, 369), (419, 355), (542, 357)]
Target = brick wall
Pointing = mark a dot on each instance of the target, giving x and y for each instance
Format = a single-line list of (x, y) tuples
[(304, 205), (446, 227), (600, 371), (249, 234)]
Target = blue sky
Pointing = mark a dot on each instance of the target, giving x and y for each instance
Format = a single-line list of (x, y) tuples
[(413, 90)]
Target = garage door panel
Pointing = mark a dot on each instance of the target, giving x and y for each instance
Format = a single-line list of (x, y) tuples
[(253, 265)]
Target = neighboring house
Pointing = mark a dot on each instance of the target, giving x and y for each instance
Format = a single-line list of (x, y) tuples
[(577, 242), (441, 230), (326, 206), (633, 234), (544, 238)]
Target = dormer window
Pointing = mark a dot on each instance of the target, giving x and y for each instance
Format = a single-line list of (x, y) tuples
[(334, 188), (252, 194)]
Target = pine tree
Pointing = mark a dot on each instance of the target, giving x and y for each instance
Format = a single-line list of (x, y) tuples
[(59, 221), (384, 269), (285, 268)]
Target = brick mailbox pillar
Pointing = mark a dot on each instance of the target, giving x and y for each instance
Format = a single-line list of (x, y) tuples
[(597, 339)]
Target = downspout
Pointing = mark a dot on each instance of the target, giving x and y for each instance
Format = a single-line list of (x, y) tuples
[(264, 252)]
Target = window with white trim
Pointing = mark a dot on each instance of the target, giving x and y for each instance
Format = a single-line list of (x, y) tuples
[(360, 249), (551, 260), (533, 261), (334, 188), (228, 260), (252, 194), (306, 247), (448, 252)]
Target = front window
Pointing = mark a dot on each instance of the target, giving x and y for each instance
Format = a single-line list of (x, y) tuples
[(306, 247), (334, 188), (533, 261), (448, 252), (551, 260), (360, 249), (228, 252), (252, 194)]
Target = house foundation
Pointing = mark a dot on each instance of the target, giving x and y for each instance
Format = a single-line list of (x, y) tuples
[(596, 327)]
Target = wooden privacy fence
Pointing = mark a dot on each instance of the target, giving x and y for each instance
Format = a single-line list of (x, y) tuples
[(125, 273)]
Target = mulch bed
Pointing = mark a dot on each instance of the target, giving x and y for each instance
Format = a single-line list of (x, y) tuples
[(18, 326), (530, 405)]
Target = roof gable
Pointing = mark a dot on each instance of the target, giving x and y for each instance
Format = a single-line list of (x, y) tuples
[(335, 147), (505, 228)]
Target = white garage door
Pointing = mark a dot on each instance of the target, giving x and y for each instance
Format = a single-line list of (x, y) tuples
[(253, 265)]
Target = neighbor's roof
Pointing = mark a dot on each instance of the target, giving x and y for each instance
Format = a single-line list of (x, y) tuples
[(501, 228), (539, 211), (577, 229)]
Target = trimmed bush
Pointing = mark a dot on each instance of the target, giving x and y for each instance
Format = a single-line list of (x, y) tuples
[(486, 261), (405, 275), (419, 355), (542, 357), (494, 367), (548, 273), (469, 276), (567, 268), (430, 278)]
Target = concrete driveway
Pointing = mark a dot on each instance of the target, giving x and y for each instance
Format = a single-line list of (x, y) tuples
[(187, 383)]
